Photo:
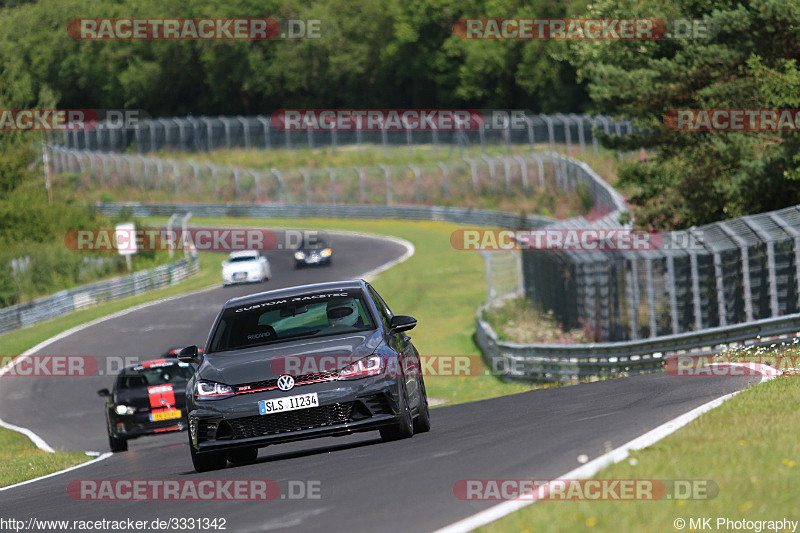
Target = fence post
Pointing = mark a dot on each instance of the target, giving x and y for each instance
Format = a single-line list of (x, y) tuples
[(417, 183), (673, 294), (742, 244), (175, 178), (227, 125), (264, 122), (473, 166), (492, 174), (770, 242), (388, 174), (171, 242), (550, 133), (362, 184), (523, 170), (332, 176), (245, 131), (209, 133), (445, 181), (281, 189), (306, 184), (257, 187), (531, 137), (785, 226), (721, 308)]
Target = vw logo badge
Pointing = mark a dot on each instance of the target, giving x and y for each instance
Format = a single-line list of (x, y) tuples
[(285, 382)]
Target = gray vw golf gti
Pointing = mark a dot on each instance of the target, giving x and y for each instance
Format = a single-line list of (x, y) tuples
[(300, 363)]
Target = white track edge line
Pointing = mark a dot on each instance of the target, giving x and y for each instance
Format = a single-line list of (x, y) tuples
[(589, 469)]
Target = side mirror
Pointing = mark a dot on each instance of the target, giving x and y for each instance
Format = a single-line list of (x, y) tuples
[(401, 323), (104, 393), (189, 354), (224, 263)]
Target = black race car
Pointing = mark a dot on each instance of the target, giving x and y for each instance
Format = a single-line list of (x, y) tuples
[(300, 363), (312, 250), (147, 398)]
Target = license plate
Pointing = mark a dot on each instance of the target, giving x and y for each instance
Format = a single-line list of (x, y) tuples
[(240, 275), (165, 415), (288, 403)]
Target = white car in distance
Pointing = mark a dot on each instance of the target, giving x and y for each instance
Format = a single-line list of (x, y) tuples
[(245, 266)]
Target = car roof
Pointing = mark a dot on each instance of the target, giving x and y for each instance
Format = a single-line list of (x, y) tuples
[(297, 291), (164, 361), (243, 253)]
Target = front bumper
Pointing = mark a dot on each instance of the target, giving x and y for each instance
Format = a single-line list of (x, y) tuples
[(314, 259), (241, 277), (132, 426), (346, 407)]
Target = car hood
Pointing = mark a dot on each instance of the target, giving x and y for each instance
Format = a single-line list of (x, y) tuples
[(266, 362)]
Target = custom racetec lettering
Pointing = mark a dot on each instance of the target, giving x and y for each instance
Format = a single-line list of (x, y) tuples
[(310, 297)]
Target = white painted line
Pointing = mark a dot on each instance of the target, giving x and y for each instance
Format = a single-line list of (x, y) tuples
[(70, 469), (589, 469)]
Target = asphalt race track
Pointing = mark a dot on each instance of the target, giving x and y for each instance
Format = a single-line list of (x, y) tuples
[(364, 484)]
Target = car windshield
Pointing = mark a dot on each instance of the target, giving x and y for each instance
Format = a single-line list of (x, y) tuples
[(149, 375), (242, 258), (286, 319), (315, 244)]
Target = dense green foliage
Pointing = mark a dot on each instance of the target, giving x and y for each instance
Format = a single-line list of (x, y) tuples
[(698, 177), (374, 53)]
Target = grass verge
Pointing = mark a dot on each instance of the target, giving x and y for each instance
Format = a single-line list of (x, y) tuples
[(748, 447), (22, 460)]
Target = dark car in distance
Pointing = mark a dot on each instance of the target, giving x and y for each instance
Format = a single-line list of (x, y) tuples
[(312, 250), (147, 398), (314, 361)]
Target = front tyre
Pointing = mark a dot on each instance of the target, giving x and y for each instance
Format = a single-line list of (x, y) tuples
[(205, 462), (422, 423), (405, 426), (117, 444)]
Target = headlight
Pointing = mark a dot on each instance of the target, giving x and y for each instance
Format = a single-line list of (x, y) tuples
[(373, 365), (210, 390), (299, 255), (125, 410), (326, 252)]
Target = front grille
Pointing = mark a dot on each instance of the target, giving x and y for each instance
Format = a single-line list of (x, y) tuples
[(245, 388), (314, 417)]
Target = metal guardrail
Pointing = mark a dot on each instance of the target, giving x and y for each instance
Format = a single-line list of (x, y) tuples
[(25, 314), (444, 214), (568, 363)]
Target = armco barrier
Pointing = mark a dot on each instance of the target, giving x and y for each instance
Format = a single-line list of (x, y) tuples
[(571, 362), (446, 214), (22, 315)]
